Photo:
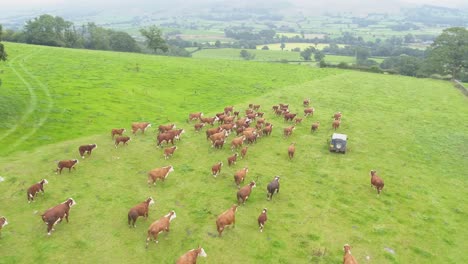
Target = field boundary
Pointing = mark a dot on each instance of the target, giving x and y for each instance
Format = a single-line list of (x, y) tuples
[(460, 87)]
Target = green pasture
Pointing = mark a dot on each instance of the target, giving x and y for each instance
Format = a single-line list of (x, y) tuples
[(409, 130), (290, 46), (260, 55)]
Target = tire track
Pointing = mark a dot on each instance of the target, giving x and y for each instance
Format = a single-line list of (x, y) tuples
[(32, 101)]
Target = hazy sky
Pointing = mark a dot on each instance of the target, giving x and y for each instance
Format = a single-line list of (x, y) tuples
[(116, 4)]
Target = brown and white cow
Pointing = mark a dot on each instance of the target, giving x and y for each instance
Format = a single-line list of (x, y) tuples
[(288, 131), (3, 222), (244, 151), (228, 109), (336, 124), (256, 107), (232, 159), (291, 150), (237, 142), (289, 116), (55, 215), (212, 131), (239, 176), (216, 169), (209, 120), (267, 129), (226, 218), (309, 111), (177, 133), (198, 126), (306, 102), (117, 131), (376, 181), (165, 137), (195, 116), (262, 218), (159, 174), (218, 144), (168, 152), (337, 116), (297, 120), (66, 164), (191, 256), (315, 126), (244, 192), (219, 136), (165, 128), (140, 126), (273, 187), (347, 257), (228, 127), (122, 139), (159, 226), (34, 189), (83, 149), (140, 209)]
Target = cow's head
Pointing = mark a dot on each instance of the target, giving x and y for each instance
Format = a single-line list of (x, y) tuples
[(147, 125), (220, 163), (252, 184), (43, 181), (75, 161), (172, 215), (201, 252), (347, 248), (264, 211), (277, 178), (246, 169), (94, 146), (4, 220), (150, 200), (372, 172), (234, 207), (171, 168), (70, 202)]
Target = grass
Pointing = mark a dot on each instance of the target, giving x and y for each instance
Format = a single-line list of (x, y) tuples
[(290, 46), (234, 54), (408, 129)]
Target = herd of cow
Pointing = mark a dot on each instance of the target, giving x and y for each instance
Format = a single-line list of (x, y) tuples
[(229, 122)]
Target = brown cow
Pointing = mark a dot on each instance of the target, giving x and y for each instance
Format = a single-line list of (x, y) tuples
[(226, 218), (237, 142), (236, 114), (239, 176), (216, 169), (165, 128), (337, 116), (191, 256), (376, 181), (3, 222), (315, 126), (209, 120), (260, 114), (159, 173), (251, 116), (288, 131), (219, 136), (262, 219), (228, 127), (229, 119), (240, 130), (117, 131), (168, 152), (195, 116), (218, 144), (66, 164), (212, 131), (273, 187), (140, 209), (267, 130), (232, 159), (309, 111), (244, 192), (86, 149), (275, 107), (297, 120), (289, 116), (177, 133), (228, 109), (306, 102), (256, 107), (34, 189), (252, 138), (244, 151), (159, 226), (291, 150), (284, 106), (122, 139), (199, 126), (166, 137), (140, 126), (336, 124), (56, 214), (348, 258)]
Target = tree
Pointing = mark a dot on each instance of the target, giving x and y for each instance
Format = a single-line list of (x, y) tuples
[(265, 48), (282, 45), (307, 53), (122, 41), (154, 39), (361, 54), (247, 55), (3, 54), (409, 38), (318, 55), (218, 44), (449, 52)]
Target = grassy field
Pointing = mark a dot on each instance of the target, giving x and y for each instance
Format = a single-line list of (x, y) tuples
[(260, 55), (408, 129), (290, 46)]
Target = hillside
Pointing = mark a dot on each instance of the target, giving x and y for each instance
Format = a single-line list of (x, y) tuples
[(407, 129)]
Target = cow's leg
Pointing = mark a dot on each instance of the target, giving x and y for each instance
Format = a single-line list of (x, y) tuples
[(49, 228), (66, 217)]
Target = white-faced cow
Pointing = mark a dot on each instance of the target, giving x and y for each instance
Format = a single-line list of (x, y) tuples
[(122, 139), (199, 126), (306, 102), (117, 131), (237, 142), (216, 169), (309, 111), (244, 192), (140, 126), (262, 218), (212, 131), (140, 209), (244, 151), (83, 149), (165, 137), (239, 176), (315, 126), (288, 131), (191, 256), (66, 164), (337, 116), (55, 215), (273, 187), (195, 116), (347, 257), (168, 152), (35, 188), (159, 173), (267, 129), (159, 226), (291, 150), (226, 218), (209, 120), (3, 222), (336, 124), (165, 128), (289, 116), (376, 181)]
